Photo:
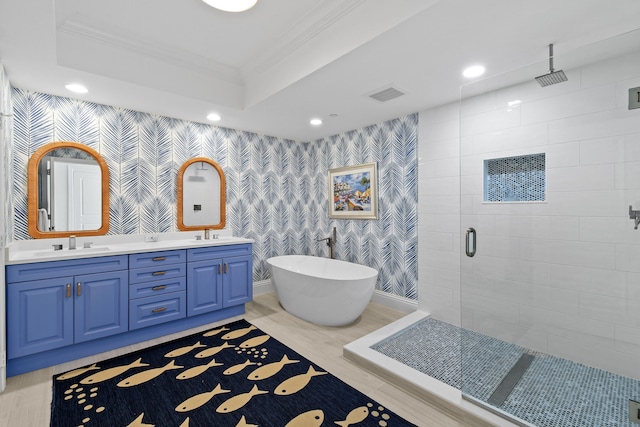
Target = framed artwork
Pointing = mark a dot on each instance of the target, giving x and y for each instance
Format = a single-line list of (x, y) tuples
[(353, 192)]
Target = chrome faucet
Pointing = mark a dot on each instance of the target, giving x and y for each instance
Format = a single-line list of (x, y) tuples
[(331, 242)]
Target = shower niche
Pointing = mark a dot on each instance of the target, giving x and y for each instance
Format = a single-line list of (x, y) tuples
[(515, 179), (201, 195)]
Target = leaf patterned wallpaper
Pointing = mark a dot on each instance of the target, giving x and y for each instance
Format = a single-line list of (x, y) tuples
[(276, 188)]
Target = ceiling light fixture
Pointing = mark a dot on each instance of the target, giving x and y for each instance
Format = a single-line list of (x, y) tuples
[(473, 71), (214, 117), (315, 122), (232, 5), (77, 88)]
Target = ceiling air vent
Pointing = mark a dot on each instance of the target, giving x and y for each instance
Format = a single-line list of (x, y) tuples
[(386, 94)]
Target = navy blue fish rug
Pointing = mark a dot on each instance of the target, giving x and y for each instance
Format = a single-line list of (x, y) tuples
[(235, 375)]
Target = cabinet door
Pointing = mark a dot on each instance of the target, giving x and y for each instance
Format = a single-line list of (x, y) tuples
[(238, 282), (204, 288), (101, 305), (39, 316)]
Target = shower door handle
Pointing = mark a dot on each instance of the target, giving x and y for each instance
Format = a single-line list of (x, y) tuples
[(470, 242)]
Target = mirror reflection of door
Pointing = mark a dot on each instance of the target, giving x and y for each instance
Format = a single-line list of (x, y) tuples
[(76, 205), (67, 191)]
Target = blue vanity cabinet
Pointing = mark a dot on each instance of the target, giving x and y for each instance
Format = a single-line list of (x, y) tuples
[(39, 316), (59, 303), (204, 282), (157, 288), (100, 305), (218, 277), (237, 284), (63, 310)]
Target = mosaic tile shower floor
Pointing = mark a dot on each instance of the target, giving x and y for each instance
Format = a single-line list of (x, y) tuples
[(553, 392)]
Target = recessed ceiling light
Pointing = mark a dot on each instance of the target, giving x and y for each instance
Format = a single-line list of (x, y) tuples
[(214, 117), (473, 71), (232, 5), (315, 122), (77, 88)]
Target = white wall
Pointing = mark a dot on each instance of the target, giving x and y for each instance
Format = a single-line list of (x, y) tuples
[(5, 219), (439, 213), (561, 276)]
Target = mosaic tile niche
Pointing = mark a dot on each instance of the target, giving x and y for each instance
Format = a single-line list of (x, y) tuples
[(515, 179), (276, 188)]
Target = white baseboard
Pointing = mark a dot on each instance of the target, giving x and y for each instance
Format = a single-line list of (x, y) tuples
[(404, 305), (263, 287)]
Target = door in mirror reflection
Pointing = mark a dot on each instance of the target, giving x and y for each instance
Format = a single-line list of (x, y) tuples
[(67, 191), (75, 203)]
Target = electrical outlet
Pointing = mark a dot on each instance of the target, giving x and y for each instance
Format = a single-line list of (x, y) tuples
[(634, 98), (634, 411)]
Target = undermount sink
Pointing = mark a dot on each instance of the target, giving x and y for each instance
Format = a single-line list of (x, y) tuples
[(29, 251), (94, 249), (61, 252)]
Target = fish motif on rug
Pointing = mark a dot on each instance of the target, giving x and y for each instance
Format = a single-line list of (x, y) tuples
[(261, 382)]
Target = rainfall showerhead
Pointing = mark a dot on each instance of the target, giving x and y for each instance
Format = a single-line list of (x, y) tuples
[(552, 77)]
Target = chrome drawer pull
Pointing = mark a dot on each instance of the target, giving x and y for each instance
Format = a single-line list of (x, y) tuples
[(160, 258), (219, 268), (159, 288), (158, 310), (226, 267), (158, 273)]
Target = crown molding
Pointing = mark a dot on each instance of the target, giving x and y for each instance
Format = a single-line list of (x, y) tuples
[(95, 33), (306, 29)]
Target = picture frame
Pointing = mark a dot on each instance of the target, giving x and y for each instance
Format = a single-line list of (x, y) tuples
[(353, 192)]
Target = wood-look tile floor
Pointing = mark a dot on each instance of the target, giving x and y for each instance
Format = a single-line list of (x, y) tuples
[(27, 399)]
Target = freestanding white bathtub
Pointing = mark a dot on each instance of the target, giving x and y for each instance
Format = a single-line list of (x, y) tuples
[(323, 291)]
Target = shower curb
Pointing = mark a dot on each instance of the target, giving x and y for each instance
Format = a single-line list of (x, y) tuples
[(433, 392)]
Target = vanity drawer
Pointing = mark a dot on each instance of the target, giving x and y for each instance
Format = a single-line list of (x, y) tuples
[(157, 287), (50, 269), (151, 311), (157, 272), (214, 252), (152, 259)]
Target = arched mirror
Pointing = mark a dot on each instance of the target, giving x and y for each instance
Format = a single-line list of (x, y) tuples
[(68, 191), (201, 195)]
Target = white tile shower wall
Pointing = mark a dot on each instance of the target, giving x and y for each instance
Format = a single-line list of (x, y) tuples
[(561, 276), (439, 160), (277, 190)]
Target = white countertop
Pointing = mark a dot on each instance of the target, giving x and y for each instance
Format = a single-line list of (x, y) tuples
[(40, 250)]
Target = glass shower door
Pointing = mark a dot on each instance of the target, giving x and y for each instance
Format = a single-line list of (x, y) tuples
[(550, 259)]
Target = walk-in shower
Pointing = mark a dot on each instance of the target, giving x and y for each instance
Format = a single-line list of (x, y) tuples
[(553, 284), (541, 325)]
